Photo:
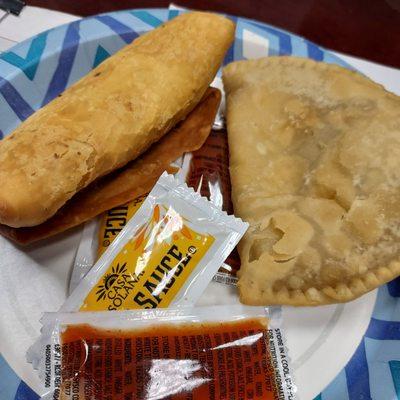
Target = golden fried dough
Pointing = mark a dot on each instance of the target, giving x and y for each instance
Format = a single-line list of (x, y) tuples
[(109, 117), (135, 179), (315, 169)]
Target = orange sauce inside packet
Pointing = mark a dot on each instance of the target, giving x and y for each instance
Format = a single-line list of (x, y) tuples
[(114, 220), (152, 267), (196, 361), (209, 170)]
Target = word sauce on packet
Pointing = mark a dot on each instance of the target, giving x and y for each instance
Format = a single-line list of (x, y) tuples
[(98, 234), (114, 220), (220, 352), (165, 255), (208, 173), (206, 170)]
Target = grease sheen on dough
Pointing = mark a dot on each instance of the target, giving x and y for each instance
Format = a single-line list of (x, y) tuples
[(315, 168), (109, 117)]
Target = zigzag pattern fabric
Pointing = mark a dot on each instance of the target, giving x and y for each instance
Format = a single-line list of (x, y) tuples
[(37, 70)]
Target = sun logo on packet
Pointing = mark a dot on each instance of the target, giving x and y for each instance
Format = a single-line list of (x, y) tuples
[(152, 266), (118, 272)]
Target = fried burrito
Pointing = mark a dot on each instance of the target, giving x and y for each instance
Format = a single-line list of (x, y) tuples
[(110, 117), (129, 182)]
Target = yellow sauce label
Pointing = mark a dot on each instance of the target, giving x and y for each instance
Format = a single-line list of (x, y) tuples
[(152, 267), (114, 220)]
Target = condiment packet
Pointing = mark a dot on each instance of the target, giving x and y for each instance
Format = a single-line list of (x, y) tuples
[(98, 234), (209, 173), (93, 242), (219, 352), (113, 221), (165, 255), (206, 170)]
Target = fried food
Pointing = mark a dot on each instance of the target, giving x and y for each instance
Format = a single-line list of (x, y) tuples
[(135, 179), (315, 169), (109, 117)]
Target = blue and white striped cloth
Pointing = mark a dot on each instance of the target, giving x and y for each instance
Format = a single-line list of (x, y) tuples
[(37, 70)]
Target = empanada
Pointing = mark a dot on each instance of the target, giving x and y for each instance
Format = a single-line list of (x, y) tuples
[(315, 169)]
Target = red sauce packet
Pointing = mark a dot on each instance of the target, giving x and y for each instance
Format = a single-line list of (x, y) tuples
[(218, 352), (209, 173)]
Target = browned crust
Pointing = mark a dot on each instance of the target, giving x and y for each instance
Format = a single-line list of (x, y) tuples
[(125, 184)]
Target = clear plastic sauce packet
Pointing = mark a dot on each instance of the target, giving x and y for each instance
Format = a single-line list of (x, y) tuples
[(209, 172), (114, 220), (165, 255), (220, 352), (206, 170), (98, 234)]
